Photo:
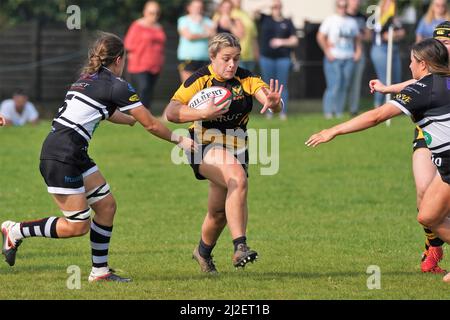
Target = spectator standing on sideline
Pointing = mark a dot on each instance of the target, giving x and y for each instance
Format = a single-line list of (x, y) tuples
[(195, 30), (249, 42), (278, 37), (145, 42), (18, 111), (437, 13), (354, 95), (224, 22), (339, 38), (379, 51)]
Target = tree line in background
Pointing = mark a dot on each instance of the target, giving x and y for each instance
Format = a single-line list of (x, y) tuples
[(106, 14)]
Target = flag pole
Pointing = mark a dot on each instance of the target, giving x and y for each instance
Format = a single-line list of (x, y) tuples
[(389, 65)]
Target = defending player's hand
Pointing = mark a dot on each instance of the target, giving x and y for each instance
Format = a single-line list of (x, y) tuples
[(2, 120), (273, 95), (321, 137), (187, 144), (376, 86), (212, 112)]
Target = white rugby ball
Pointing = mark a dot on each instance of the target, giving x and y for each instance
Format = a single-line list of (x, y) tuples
[(222, 96)]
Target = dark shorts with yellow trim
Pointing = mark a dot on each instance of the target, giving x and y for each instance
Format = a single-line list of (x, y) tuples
[(192, 65), (196, 158), (419, 140)]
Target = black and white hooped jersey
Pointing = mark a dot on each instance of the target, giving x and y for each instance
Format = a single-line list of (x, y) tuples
[(95, 98), (427, 102), (89, 100)]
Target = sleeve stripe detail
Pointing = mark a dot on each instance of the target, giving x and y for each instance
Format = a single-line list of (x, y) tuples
[(398, 105), (131, 106)]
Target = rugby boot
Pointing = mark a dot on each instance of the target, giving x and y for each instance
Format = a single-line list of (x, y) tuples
[(10, 245), (243, 255), (110, 275), (206, 264), (430, 260)]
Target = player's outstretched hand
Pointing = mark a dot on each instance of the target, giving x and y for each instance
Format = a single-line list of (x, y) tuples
[(212, 112), (273, 95), (2, 120), (188, 145), (321, 137), (376, 86)]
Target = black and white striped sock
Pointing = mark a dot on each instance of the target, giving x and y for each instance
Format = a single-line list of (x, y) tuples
[(39, 228), (100, 237)]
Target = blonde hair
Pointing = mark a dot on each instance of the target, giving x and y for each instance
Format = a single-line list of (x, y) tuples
[(103, 52), (434, 54), (222, 40), (430, 15)]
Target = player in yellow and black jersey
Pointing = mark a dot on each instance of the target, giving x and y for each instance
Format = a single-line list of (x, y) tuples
[(221, 133)]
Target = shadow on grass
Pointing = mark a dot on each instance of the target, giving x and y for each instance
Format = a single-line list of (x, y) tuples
[(267, 276)]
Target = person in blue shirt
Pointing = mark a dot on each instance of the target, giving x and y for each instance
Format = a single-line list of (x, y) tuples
[(195, 30)]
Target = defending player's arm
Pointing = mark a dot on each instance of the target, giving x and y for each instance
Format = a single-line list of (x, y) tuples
[(2, 121), (270, 98), (126, 99), (156, 128), (122, 118), (364, 121), (412, 98), (378, 86)]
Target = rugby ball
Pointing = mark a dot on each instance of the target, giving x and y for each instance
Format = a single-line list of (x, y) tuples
[(222, 97)]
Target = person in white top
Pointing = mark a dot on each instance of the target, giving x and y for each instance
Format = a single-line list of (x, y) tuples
[(18, 111), (339, 38)]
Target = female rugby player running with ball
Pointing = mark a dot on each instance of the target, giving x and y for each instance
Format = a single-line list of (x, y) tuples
[(72, 177), (223, 157), (423, 168), (427, 101)]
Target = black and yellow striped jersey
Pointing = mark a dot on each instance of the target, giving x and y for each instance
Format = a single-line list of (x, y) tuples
[(243, 87), (229, 129)]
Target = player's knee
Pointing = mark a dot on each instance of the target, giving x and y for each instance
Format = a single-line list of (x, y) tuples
[(426, 220), (110, 206), (238, 180), (218, 217)]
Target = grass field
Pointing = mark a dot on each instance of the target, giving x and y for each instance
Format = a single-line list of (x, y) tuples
[(318, 224)]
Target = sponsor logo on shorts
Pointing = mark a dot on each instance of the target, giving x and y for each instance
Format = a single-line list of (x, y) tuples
[(68, 179)]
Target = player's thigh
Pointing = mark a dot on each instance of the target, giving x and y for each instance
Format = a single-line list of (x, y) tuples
[(222, 168), (70, 202), (435, 204), (423, 169)]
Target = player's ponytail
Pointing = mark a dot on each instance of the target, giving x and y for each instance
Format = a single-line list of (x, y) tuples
[(434, 54), (103, 52)]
